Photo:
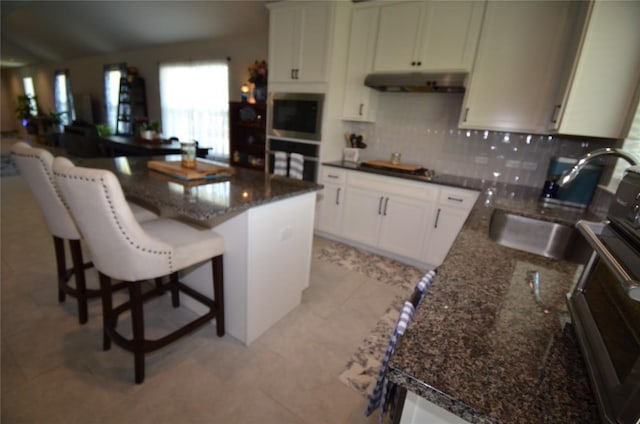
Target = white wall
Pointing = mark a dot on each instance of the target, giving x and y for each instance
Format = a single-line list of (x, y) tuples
[(87, 73)]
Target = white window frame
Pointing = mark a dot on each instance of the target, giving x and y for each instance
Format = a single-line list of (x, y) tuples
[(194, 100), (29, 90), (112, 75), (62, 96)]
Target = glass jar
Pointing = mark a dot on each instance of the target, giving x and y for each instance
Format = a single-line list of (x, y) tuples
[(188, 154)]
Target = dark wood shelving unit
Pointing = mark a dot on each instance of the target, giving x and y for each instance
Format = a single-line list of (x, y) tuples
[(132, 104), (247, 134)]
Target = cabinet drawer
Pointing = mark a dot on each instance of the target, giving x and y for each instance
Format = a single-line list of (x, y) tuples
[(464, 199), (391, 185), (334, 175)]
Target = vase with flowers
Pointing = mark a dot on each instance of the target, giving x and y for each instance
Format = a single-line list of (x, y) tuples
[(258, 77)]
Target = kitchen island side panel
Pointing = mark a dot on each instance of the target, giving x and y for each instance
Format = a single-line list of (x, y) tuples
[(267, 264), (280, 242)]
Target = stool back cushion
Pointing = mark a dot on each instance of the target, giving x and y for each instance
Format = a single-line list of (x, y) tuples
[(35, 166), (119, 246)]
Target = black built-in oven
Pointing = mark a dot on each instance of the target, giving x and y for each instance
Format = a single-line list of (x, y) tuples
[(295, 126), (605, 305)]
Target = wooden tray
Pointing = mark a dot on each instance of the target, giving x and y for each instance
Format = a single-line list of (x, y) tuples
[(202, 170), (389, 165)]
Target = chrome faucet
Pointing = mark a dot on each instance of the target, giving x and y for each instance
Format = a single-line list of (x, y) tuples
[(568, 176)]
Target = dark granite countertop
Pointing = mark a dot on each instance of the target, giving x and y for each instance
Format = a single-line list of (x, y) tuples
[(520, 199), (202, 201), (481, 346)]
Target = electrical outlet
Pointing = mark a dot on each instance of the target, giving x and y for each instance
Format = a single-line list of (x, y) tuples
[(286, 233)]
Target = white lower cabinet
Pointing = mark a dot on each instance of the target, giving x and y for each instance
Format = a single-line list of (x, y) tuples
[(451, 212), (418, 410), (389, 214), (406, 219), (403, 227), (362, 215), (387, 221), (330, 201)]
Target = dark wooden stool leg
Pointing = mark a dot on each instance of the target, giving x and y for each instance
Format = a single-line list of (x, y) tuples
[(137, 324), (81, 285), (175, 291), (107, 309), (58, 245), (218, 293), (158, 283)]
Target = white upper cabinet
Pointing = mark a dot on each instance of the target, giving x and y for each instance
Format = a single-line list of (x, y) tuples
[(518, 61), (299, 41), (599, 92), (427, 35), (360, 101)]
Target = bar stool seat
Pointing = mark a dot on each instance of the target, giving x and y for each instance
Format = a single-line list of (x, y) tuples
[(35, 166), (127, 250)]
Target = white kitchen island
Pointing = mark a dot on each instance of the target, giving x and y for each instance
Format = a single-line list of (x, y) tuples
[(267, 224), (267, 264)]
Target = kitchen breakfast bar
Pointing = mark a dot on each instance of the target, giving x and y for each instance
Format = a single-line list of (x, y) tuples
[(267, 224)]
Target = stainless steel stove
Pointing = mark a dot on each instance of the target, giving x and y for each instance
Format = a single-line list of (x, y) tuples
[(605, 305)]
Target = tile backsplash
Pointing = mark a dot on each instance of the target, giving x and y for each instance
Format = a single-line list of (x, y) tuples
[(423, 128)]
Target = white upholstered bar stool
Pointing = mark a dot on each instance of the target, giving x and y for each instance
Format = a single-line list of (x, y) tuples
[(133, 252), (35, 166)]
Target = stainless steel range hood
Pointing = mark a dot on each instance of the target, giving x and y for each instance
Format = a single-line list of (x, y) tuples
[(417, 82)]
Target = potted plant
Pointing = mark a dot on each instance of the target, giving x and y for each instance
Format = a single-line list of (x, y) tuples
[(55, 120), (104, 130), (25, 113), (150, 129)]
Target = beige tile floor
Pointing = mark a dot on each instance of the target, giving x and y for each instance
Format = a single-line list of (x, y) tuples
[(54, 371)]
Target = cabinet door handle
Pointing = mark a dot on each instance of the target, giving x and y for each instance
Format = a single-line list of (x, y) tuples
[(413, 63), (386, 202), (296, 73), (338, 196), (360, 110), (466, 114), (455, 199), (435, 225), (293, 73), (556, 112), (380, 205), (335, 177)]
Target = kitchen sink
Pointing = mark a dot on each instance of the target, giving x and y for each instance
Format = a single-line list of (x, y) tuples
[(544, 238)]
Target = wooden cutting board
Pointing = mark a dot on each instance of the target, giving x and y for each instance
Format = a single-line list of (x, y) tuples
[(389, 165), (202, 170)]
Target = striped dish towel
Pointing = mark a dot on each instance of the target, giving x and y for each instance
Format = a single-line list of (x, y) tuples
[(280, 164), (424, 284), (379, 396), (296, 166)]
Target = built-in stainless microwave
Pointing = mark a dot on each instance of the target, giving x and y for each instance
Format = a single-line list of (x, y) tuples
[(295, 115)]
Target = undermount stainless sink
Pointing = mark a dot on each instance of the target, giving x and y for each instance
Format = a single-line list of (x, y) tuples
[(544, 238)]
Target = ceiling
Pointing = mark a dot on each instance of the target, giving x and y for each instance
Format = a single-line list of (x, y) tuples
[(42, 31)]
